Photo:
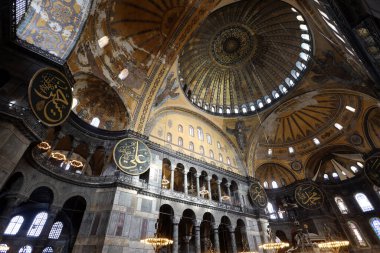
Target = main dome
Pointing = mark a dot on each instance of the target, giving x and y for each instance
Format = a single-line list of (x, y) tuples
[(244, 57)]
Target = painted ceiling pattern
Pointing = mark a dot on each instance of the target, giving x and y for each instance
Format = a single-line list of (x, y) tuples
[(244, 57), (54, 25)]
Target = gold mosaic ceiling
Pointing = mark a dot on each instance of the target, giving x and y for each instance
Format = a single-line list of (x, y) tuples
[(245, 56)]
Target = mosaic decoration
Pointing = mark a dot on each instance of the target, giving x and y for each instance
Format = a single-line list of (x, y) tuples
[(309, 196), (54, 25), (132, 156), (50, 96), (258, 195)]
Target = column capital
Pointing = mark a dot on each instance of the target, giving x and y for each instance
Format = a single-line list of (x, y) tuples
[(208, 178), (218, 181), (197, 175), (197, 223), (215, 226), (186, 170), (176, 220), (231, 229), (228, 184)]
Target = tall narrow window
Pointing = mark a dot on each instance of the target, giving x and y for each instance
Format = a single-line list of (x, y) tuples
[(14, 225), (363, 202), (220, 158), (180, 141), (37, 225), (265, 184), (356, 233), (200, 133), (191, 131), (375, 224), (56, 230), (271, 212), (4, 248), (191, 146), (218, 145), (201, 150), (180, 128), (228, 161), (48, 250), (341, 205), (209, 140), (25, 249), (274, 185), (211, 154), (95, 122), (169, 137)]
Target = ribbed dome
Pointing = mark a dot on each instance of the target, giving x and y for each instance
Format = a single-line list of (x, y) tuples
[(245, 56)]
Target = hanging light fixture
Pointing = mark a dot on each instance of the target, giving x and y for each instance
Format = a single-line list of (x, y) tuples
[(45, 146), (164, 181), (157, 242), (203, 191), (333, 244), (274, 245)]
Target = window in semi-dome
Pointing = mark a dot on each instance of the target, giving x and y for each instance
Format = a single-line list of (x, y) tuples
[(75, 103), (375, 224), (356, 233), (218, 145), (180, 141), (265, 184), (363, 202), (180, 128), (201, 150), (220, 158), (209, 140), (14, 225), (200, 133), (56, 230), (191, 146), (341, 205), (274, 185), (191, 131), (228, 161), (37, 225), (95, 122), (169, 137), (211, 154), (25, 249)]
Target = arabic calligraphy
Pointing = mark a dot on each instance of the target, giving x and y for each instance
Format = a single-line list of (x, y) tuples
[(132, 156), (309, 196), (50, 96), (258, 195)]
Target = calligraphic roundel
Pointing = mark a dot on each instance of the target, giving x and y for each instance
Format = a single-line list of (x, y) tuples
[(50, 96), (132, 156), (258, 195), (309, 196)]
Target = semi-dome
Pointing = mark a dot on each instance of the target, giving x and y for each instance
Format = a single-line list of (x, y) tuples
[(244, 57)]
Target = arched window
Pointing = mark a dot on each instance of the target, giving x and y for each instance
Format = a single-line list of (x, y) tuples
[(356, 233), (75, 103), (375, 224), (200, 133), (363, 202), (25, 249), (4, 248), (271, 212), (228, 161), (180, 128), (211, 154), (14, 225), (169, 137), (209, 140), (341, 205), (274, 185), (56, 230), (191, 146), (218, 145), (191, 131), (180, 141), (48, 250), (95, 122), (37, 225), (220, 157), (201, 150), (265, 184)]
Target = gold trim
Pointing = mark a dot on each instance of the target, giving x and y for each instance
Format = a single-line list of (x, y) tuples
[(129, 173), (29, 96)]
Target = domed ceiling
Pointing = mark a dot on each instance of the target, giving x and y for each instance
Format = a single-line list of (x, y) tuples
[(270, 172), (244, 57), (96, 99)]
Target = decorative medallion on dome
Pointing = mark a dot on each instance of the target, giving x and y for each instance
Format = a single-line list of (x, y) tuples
[(244, 57), (309, 196)]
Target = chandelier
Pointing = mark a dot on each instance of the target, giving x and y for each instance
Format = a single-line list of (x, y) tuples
[(225, 197), (164, 181), (58, 156), (203, 191), (274, 245), (44, 146), (156, 241), (76, 163), (333, 244)]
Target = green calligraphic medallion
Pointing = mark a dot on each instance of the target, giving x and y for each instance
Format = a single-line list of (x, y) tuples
[(50, 96), (258, 195), (132, 156), (309, 196)]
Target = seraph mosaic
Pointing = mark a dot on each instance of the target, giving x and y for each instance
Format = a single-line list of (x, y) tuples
[(54, 25)]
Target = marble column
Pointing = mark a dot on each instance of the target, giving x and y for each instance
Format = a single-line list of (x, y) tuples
[(197, 175), (219, 191), (229, 191), (209, 187), (185, 171), (172, 179), (86, 169), (233, 240), (175, 235), (215, 228), (187, 241), (197, 228)]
